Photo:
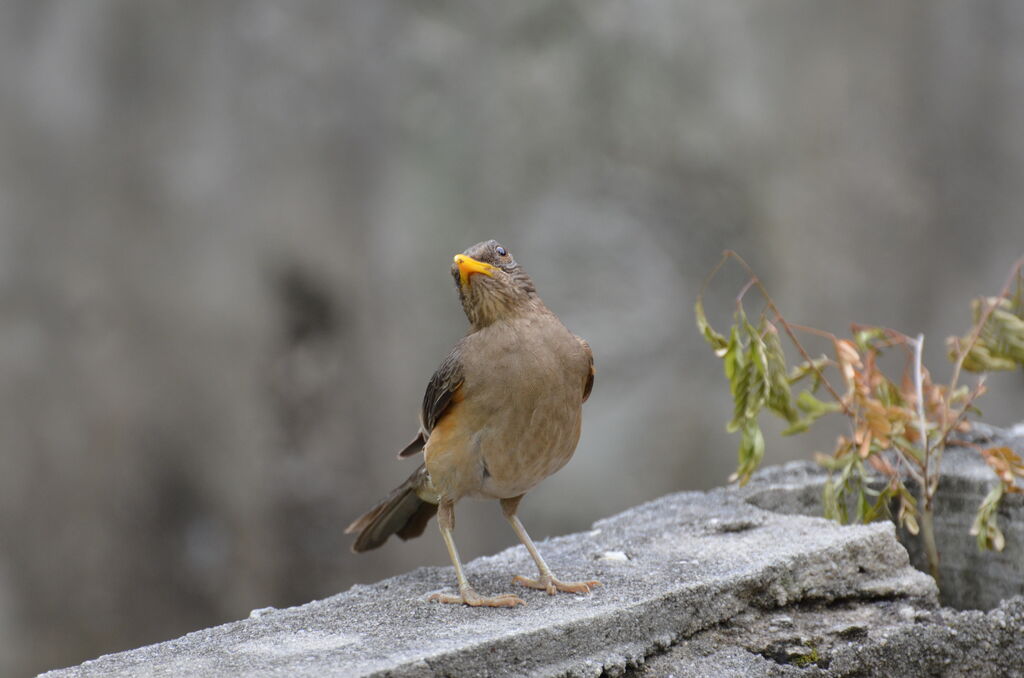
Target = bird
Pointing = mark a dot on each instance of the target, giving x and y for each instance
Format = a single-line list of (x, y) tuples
[(500, 414)]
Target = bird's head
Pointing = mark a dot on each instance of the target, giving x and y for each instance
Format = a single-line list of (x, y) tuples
[(491, 284)]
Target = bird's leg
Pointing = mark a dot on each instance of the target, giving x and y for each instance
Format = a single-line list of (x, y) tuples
[(468, 596), (546, 581)]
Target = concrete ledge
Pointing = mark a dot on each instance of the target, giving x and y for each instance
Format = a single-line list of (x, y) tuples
[(970, 578), (692, 561), (695, 584), (890, 638)]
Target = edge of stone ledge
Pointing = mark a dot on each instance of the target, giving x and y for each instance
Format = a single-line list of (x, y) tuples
[(694, 560), (687, 566)]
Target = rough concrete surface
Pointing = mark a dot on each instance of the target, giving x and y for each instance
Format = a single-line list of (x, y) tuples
[(969, 578), (694, 561), (891, 638), (733, 582)]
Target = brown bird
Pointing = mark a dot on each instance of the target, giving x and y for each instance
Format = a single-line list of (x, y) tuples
[(500, 414)]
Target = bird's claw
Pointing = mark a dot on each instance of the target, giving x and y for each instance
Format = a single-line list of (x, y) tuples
[(474, 599), (552, 586)]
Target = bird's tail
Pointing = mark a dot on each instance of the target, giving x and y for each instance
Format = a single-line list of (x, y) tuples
[(405, 512)]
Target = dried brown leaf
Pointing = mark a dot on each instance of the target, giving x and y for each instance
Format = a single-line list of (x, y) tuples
[(882, 465), (1006, 464)]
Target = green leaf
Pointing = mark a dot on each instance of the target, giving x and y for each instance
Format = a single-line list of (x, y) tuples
[(986, 525), (751, 451), (829, 462), (745, 362), (888, 394), (812, 368), (1000, 343), (907, 514), (780, 397), (844, 475), (798, 426), (866, 338), (747, 381), (828, 500), (981, 359), (716, 340), (1008, 335), (907, 449), (880, 509), (744, 396), (758, 358), (733, 358), (813, 407), (864, 513), (839, 489)]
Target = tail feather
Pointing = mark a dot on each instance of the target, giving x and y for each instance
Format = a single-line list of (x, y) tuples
[(402, 512)]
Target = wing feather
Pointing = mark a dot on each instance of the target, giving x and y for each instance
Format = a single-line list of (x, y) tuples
[(588, 385), (443, 386)]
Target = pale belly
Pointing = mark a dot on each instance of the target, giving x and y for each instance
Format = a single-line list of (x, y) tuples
[(502, 455), (542, 450), (517, 417)]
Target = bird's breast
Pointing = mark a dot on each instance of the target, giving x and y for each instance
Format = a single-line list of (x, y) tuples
[(519, 418)]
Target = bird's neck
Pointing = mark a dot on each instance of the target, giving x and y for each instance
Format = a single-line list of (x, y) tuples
[(490, 309)]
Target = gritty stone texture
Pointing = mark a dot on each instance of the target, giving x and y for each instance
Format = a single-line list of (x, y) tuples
[(795, 488), (733, 582), (892, 638), (692, 562), (970, 578)]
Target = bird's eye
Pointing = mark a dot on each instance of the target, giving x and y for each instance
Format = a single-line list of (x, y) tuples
[(501, 251)]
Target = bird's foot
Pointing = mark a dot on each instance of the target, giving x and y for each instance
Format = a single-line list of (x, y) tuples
[(552, 586), (470, 597)]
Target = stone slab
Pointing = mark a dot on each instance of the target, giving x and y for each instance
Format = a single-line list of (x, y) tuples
[(671, 569)]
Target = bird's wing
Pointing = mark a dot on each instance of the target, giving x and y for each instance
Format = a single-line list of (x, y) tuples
[(588, 385), (444, 384)]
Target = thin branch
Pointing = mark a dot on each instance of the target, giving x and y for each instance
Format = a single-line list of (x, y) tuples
[(785, 325), (976, 332), (745, 289), (708, 278), (922, 422), (814, 330), (962, 351), (893, 337), (905, 463), (971, 397)]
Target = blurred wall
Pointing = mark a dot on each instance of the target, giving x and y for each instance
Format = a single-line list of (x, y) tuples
[(225, 232)]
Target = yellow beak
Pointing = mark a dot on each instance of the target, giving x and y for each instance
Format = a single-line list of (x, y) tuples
[(468, 266)]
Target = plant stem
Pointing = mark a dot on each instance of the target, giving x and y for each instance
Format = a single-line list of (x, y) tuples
[(727, 254), (928, 487), (946, 427), (978, 326), (922, 422), (928, 535)]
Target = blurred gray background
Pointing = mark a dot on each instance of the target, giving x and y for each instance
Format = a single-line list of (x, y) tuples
[(226, 227)]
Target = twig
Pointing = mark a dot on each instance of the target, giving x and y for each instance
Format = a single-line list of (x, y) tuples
[(972, 338), (782, 321), (962, 351), (971, 397), (814, 330), (927, 488), (922, 422), (904, 462), (746, 288)]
